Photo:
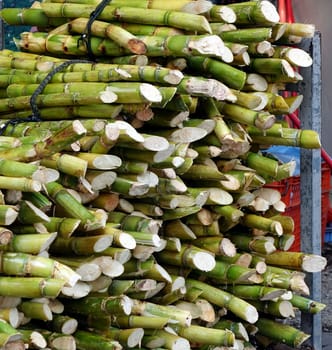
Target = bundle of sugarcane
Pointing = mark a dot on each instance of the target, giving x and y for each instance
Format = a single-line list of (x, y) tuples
[(132, 171)]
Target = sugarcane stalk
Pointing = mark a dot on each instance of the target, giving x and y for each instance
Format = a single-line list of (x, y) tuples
[(64, 324), (252, 12), (281, 332), (89, 340), (33, 338), (21, 264), (58, 340), (146, 322), (223, 299), (225, 273), (30, 243), (217, 245), (144, 308), (8, 214), (306, 305), (189, 256), (189, 22), (297, 260), (232, 77), (72, 206), (30, 287)]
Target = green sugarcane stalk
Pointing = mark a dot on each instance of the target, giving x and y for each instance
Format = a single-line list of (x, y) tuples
[(262, 223), (208, 230), (151, 30), (287, 279), (231, 273), (163, 338), (178, 229), (147, 269), (36, 310), (253, 12), (72, 206), (99, 306), (290, 137), (13, 168), (236, 327), (218, 245), (67, 164), (279, 308), (144, 308), (189, 256), (20, 184), (39, 200), (30, 287), (222, 298), (56, 142), (248, 35), (32, 338), (29, 17), (21, 264), (189, 22), (81, 245), (281, 332), (306, 305), (146, 322), (64, 227), (262, 293), (126, 337), (30, 243), (30, 214), (8, 214), (64, 324), (262, 120), (297, 261), (9, 335), (265, 166), (101, 111), (262, 245), (57, 340), (126, 92), (204, 335), (229, 212), (232, 77), (134, 222), (89, 340)]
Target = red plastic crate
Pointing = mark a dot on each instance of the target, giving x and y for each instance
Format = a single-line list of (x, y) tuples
[(291, 196)]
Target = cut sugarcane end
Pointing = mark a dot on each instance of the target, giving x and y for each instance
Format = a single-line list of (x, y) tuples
[(174, 77), (309, 139), (270, 12), (108, 96), (204, 261), (197, 7), (313, 263), (208, 45), (299, 57), (150, 92)]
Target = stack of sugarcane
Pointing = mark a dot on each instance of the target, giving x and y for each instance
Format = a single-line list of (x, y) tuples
[(133, 210)]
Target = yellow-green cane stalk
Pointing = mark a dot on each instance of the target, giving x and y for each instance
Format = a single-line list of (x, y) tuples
[(89, 340), (189, 256), (281, 332), (222, 298), (30, 243), (30, 287), (297, 261), (175, 19), (307, 305), (74, 209), (21, 264)]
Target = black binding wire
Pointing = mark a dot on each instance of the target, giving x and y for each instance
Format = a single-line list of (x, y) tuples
[(86, 35), (35, 116)]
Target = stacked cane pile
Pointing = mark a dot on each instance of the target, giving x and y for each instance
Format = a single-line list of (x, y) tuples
[(133, 209)]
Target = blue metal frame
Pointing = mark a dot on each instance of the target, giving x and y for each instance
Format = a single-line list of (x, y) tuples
[(311, 236)]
